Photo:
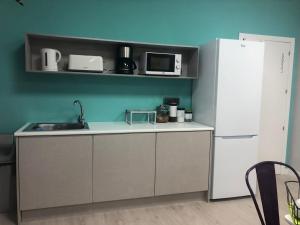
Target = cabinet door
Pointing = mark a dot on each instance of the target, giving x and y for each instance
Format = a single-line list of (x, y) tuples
[(182, 162), (123, 166), (55, 171)]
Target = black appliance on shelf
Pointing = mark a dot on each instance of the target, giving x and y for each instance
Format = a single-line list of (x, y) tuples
[(125, 63)]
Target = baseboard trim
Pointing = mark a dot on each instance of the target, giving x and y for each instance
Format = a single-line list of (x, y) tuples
[(79, 210)]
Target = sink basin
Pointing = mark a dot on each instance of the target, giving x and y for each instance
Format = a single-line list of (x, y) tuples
[(55, 126)]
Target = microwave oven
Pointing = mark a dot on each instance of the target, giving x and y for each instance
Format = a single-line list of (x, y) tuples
[(154, 63)]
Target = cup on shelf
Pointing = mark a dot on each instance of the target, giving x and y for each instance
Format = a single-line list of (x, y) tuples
[(50, 58)]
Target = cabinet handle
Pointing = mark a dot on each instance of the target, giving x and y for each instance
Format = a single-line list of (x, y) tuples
[(237, 137), (282, 62)]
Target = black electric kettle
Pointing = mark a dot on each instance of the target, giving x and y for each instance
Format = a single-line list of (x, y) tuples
[(125, 63)]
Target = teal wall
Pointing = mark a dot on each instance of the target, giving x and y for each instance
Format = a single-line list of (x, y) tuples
[(34, 97)]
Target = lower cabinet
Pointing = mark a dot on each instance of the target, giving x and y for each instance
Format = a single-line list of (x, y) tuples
[(123, 166), (182, 162), (54, 171), (71, 170)]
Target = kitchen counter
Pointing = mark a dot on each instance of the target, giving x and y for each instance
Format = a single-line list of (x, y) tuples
[(119, 128), (85, 167)]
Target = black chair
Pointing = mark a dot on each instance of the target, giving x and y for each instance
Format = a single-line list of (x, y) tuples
[(266, 179)]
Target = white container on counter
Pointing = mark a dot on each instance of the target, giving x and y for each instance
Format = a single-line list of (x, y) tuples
[(180, 115), (173, 112)]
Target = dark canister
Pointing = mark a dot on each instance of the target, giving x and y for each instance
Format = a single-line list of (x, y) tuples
[(173, 112)]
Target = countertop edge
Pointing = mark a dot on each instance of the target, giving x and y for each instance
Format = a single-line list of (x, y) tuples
[(114, 128)]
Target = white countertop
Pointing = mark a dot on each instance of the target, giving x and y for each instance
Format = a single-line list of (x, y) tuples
[(118, 128)]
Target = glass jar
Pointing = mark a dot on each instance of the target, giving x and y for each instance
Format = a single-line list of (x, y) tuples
[(188, 117), (162, 114)]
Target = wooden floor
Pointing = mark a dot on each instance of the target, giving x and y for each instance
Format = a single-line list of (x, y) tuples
[(184, 211)]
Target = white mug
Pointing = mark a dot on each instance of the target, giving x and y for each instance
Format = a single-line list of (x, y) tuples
[(50, 58)]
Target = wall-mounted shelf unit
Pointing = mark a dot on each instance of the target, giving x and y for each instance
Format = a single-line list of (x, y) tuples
[(107, 49)]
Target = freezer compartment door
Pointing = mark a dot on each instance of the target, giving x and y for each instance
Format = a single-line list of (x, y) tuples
[(233, 156), (240, 75)]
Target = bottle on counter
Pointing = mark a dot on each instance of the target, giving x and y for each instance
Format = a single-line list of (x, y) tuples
[(188, 115), (172, 112), (180, 115)]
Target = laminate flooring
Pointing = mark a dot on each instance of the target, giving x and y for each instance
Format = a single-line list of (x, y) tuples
[(181, 211)]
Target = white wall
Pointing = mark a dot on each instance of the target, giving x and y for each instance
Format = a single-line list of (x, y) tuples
[(295, 146)]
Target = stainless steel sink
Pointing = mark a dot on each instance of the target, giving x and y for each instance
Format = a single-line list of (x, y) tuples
[(56, 126)]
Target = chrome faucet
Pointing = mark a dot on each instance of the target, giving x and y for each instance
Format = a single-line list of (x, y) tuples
[(80, 119)]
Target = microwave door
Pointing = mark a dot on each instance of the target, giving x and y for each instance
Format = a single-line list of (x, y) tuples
[(161, 63)]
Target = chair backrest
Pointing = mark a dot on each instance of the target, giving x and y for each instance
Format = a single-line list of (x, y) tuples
[(266, 179)]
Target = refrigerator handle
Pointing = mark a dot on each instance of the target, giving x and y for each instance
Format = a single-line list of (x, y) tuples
[(238, 137)]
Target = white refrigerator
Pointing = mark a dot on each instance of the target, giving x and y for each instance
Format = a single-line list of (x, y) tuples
[(227, 96)]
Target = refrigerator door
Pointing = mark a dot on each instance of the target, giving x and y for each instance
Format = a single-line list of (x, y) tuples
[(233, 156), (240, 74)]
